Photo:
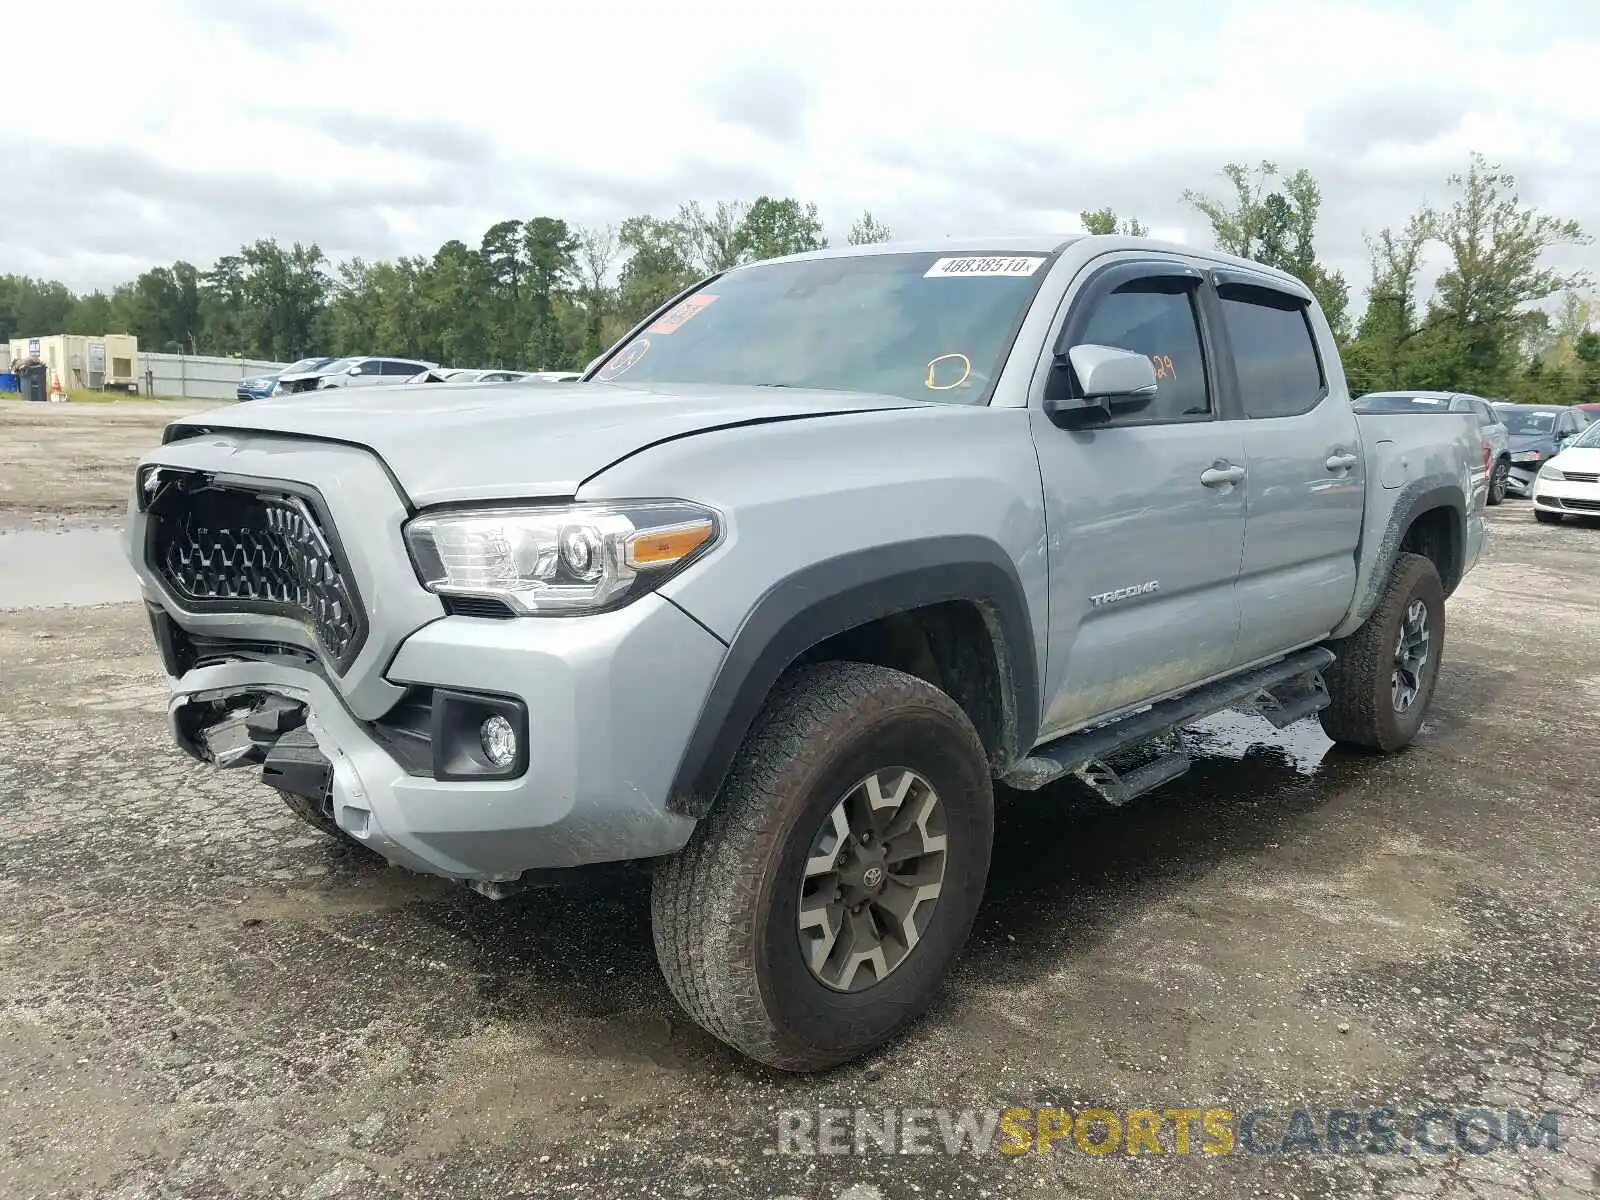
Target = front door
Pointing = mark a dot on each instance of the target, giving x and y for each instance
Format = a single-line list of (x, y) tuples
[(1145, 512)]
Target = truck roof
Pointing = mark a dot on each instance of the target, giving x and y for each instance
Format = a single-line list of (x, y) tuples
[(1091, 245)]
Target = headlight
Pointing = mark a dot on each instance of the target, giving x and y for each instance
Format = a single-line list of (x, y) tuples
[(1526, 456), (1549, 472), (562, 559)]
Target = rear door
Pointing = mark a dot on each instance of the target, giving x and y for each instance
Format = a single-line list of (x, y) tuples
[(1145, 513), (1307, 488)]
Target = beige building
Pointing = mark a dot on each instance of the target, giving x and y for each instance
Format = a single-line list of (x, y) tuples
[(83, 363)]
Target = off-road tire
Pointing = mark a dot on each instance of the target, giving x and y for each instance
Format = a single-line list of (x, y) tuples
[(1498, 478), (724, 910), (1546, 518), (1362, 713)]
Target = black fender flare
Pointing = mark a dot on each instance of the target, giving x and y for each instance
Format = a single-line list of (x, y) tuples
[(1415, 499), (837, 594)]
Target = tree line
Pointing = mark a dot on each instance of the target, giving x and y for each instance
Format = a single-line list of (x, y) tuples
[(542, 294)]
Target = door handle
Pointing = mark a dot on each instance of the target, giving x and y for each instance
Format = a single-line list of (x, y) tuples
[(1218, 476), (1342, 461)]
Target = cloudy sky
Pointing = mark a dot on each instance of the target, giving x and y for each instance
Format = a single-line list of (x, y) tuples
[(380, 127)]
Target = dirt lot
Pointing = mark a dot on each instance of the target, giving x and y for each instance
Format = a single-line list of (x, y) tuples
[(198, 997), (71, 463)]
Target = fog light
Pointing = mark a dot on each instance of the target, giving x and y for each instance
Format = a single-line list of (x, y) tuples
[(499, 741)]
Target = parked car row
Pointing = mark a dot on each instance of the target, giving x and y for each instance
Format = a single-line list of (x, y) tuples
[(463, 375), (1491, 429), (319, 374), (1520, 442), (1568, 483), (1538, 433)]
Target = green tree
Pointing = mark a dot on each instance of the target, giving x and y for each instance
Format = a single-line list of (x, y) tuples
[(1392, 317), (658, 264), (551, 251), (713, 238), (867, 231), (597, 254), (33, 307), (776, 227), (1104, 220), (1497, 246), (1277, 228)]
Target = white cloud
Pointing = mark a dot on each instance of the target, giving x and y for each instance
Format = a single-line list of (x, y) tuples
[(382, 128)]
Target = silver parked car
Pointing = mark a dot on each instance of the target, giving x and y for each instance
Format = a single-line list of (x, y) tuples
[(466, 375), (1496, 440), (1538, 433), (366, 372)]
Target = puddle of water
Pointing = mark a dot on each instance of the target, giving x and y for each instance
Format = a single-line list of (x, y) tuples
[(1231, 734), (44, 569)]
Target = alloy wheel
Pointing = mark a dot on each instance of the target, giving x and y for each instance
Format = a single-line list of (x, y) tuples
[(872, 881), (1410, 657)]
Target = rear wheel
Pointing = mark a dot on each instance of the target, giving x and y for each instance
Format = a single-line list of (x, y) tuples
[(1547, 518), (818, 907), (1497, 480), (1383, 678)]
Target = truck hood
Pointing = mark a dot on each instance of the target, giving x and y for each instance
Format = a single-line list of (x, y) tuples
[(449, 443), (1532, 441)]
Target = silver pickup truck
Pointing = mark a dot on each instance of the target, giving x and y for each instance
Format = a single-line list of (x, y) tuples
[(807, 563)]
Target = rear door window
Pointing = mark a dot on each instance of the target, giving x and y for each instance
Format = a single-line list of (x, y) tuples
[(1274, 352)]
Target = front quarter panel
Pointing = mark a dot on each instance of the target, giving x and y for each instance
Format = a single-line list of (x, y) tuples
[(820, 507)]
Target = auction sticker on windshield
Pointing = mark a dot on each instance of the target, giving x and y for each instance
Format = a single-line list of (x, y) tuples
[(978, 265), (678, 315)]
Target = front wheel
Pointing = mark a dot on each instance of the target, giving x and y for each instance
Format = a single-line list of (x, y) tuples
[(818, 907), (1498, 479), (1385, 672)]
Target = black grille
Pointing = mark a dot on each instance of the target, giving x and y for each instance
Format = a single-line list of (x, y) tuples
[(1581, 476), (224, 547), (1581, 505)]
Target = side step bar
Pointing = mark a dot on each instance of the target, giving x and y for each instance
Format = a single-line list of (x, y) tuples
[(1283, 692)]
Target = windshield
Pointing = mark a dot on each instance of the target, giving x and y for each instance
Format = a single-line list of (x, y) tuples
[(921, 326), (1526, 421), (1382, 402), (334, 366), (1589, 437), (304, 365)]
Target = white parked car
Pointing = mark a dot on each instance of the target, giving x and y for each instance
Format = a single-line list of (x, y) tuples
[(365, 372), (1568, 485), (468, 375), (354, 371)]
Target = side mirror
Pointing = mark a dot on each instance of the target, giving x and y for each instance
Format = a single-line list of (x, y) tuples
[(1109, 380), (356, 370)]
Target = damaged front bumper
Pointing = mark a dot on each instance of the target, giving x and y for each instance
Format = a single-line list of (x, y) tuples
[(1519, 479), (597, 706)]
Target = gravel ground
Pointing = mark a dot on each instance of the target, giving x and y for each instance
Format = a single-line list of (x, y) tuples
[(70, 464), (199, 997)]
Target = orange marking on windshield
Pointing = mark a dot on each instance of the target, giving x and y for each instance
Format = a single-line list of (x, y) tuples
[(676, 317), (1164, 367), (932, 381)]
